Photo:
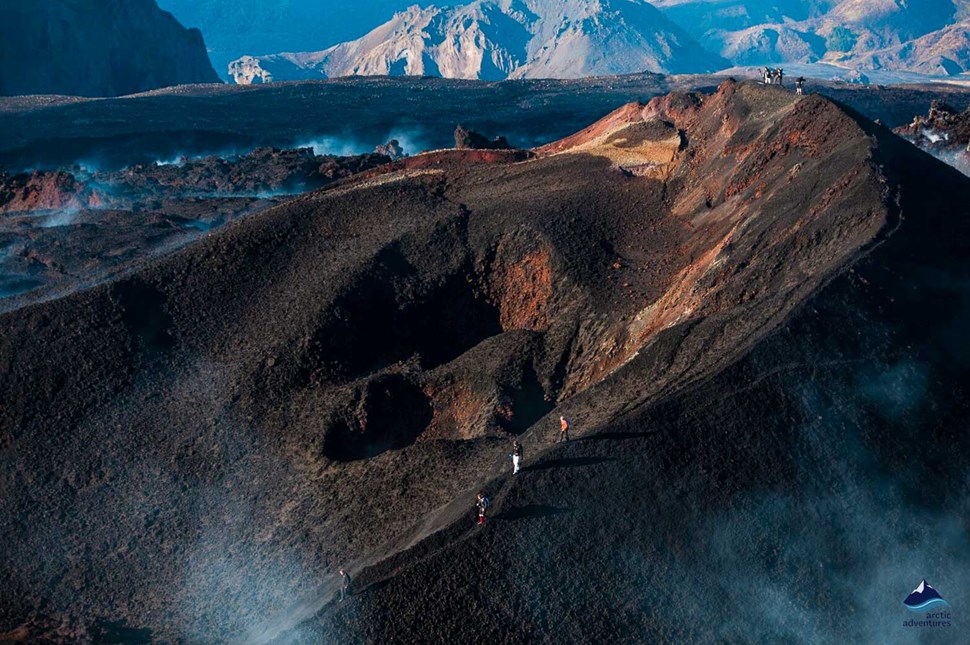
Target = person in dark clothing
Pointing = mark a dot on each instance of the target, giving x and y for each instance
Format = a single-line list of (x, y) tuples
[(800, 85), (516, 457), (344, 585)]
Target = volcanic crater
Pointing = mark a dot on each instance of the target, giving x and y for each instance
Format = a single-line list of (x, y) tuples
[(196, 446)]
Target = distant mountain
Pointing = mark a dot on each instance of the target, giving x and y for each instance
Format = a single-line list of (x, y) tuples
[(928, 37), (498, 39), (96, 48), (768, 44), (942, 52), (240, 27)]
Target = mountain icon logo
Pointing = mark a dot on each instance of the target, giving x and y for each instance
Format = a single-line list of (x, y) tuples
[(924, 597)]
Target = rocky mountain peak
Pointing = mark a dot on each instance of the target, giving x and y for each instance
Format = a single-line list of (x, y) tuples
[(498, 39), (96, 48)]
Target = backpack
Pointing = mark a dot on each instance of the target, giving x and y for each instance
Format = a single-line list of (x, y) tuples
[(486, 501)]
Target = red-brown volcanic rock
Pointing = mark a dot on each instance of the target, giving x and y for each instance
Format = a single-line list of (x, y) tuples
[(41, 190)]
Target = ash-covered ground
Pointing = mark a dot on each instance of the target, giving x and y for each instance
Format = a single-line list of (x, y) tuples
[(747, 303)]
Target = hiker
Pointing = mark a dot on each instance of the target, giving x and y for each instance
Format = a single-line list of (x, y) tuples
[(799, 85), (516, 456), (344, 585), (482, 504), (781, 76), (766, 75), (563, 429)]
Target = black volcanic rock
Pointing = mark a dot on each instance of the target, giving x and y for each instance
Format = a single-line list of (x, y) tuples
[(96, 48), (745, 301), (262, 170), (470, 140)]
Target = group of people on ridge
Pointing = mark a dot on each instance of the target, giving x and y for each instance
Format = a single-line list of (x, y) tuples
[(482, 501), (773, 75), (776, 76)]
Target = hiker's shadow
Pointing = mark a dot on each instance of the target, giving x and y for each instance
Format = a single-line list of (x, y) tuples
[(617, 436), (108, 631), (530, 511), (569, 462)]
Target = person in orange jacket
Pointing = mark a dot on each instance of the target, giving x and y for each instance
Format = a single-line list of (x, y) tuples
[(563, 429)]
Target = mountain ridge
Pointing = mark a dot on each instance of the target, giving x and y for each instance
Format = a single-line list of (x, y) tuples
[(498, 39), (881, 34), (91, 48)]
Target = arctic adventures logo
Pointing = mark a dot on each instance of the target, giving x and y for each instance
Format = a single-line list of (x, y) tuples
[(927, 600)]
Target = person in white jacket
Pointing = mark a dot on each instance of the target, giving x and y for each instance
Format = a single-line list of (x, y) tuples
[(516, 456)]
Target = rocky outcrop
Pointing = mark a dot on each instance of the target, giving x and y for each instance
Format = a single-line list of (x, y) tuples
[(45, 190), (497, 39), (97, 48), (943, 124), (253, 70), (263, 170), (391, 149), (247, 70), (470, 140), (944, 132)]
